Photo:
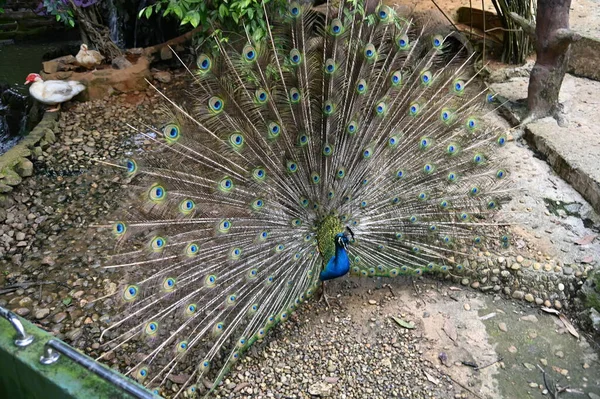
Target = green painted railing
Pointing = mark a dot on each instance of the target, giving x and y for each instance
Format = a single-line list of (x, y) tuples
[(34, 364)]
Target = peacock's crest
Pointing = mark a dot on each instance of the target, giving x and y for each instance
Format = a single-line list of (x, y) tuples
[(366, 124)]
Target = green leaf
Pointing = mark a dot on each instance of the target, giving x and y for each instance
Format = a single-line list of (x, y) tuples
[(178, 11), (235, 17), (148, 12), (194, 18), (67, 301), (223, 11), (402, 323), (57, 17), (72, 23), (250, 12)]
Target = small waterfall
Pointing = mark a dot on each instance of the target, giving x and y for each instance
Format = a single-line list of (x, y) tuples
[(14, 117), (115, 24)]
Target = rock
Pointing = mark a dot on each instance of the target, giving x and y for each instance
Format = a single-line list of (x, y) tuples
[(321, 389), (66, 63), (502, 327), (74, 334), (467, 307), (529, 298), (121, 62), (10, 177), (41, 313), (20, 236), (49, 136), (59, 317), (163, 76), (559, 354), (4, 188), (22, 311), (24, 168), (518, 295), (372, 302), (166, 53)]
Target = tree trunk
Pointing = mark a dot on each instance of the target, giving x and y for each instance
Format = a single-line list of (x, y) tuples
[(553, 38)]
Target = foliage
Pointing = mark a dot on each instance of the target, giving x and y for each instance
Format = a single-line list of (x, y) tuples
[(2, 3), (61, 9), (216, 16)]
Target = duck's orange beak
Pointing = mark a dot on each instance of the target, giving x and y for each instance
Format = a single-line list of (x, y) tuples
[(27, 82)]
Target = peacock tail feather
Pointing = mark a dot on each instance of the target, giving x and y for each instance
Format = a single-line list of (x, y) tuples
[(371, 122)]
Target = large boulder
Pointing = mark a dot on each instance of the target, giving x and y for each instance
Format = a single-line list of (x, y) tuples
[(109, 80)]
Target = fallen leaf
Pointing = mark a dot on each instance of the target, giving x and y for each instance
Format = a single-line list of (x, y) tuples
[(587, 259), (455, 289), (431, 378), (550, 310), (488, 316), (585, 240), (569, 326), (402, 323), (450, 329)]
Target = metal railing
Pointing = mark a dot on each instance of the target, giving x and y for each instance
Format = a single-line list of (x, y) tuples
[(34, 364)]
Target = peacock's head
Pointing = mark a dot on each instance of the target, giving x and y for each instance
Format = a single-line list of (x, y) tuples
[(342, 240), (33, 77)]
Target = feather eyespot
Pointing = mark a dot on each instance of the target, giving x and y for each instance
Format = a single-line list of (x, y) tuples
[(249, 53), (315, 178), (336, 28), (204, 63), (294, 95), (352, 127), (294, 9), (402, 42), (119, 228), (130, 293), (370, 52), (397, 78), (295, 57), (131, 166), (157, 244), (215, 104), (361, 86), (157, 193)]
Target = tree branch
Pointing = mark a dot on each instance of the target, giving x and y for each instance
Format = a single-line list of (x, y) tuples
[(173, 42), (527, 26), (565, 36)]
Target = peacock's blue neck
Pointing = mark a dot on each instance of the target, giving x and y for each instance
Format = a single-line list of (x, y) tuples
[(337, 266)]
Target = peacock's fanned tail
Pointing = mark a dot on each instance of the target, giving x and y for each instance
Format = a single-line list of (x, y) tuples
[(346, 119)]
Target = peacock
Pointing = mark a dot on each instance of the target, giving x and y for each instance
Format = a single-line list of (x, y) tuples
[(349, 141)]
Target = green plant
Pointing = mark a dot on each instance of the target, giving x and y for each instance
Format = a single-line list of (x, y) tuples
[(216, 16), (2, 3)]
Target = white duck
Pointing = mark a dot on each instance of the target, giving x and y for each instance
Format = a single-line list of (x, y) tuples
[(88, 58), (53, 92)]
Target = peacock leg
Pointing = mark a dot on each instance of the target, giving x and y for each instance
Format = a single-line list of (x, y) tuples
[(324, 295), (55, 109)]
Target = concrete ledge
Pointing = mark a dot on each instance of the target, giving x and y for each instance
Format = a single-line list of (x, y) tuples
[(15, 163), (577, 167), (572, 151), (584, 60)]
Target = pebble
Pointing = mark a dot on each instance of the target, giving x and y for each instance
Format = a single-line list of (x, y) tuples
[(532, 318), (41, 313), (559, 354), (502, 327), (467, 306)]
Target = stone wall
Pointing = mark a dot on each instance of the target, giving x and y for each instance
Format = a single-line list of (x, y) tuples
[(16, 164)]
